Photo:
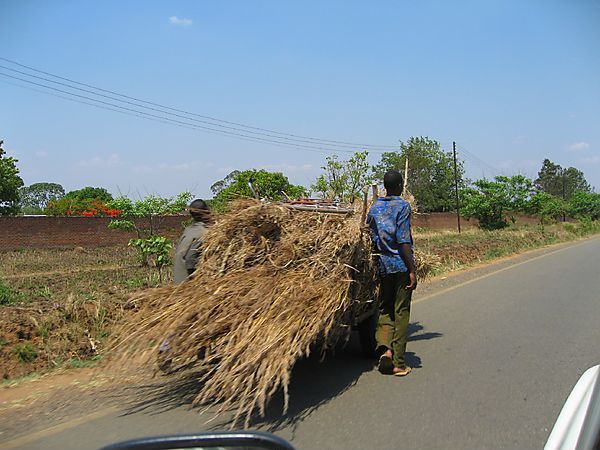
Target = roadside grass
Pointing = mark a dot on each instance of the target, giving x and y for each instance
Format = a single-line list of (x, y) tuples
[(18, 380), (455, 250), (9, 296)]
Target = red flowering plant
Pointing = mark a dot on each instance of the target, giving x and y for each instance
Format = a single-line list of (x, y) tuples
[(81, 207)]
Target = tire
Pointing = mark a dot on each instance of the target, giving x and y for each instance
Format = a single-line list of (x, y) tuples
[(366, 335)]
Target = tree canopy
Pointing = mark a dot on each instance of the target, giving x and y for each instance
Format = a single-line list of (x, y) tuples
[(271, 185), (430, 172), (90, 193), (343, 180), (89, 201), (490, 201), (10, 183), (585, 205), (560, 182), (35, 198)]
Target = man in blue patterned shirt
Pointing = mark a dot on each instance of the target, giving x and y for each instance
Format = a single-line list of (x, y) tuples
[(389, 222)]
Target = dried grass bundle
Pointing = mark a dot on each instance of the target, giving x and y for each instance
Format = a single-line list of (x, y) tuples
[(272, 284)]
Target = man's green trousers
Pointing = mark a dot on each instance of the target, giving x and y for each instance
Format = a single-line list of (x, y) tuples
[(394, 314)]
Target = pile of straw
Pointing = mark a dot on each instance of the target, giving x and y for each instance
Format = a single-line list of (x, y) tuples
[(272, 285)]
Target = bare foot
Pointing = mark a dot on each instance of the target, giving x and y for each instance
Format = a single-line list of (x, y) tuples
[(401, 371)]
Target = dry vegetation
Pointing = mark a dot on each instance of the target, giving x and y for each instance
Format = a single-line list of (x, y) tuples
[(449, 250), (58, 306), (273, 284)]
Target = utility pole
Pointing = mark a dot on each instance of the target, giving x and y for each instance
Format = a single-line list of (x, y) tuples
[(563, 193), (405, 187), (456, 185)]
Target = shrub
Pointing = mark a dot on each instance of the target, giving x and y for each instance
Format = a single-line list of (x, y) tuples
[(489, 201), (25, 352), (80, 207), (585, 205), (548, 207), (9, 296), (156, 248)]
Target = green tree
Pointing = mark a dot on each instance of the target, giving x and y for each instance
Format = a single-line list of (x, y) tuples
[(218, 186), (271, 185), (492, 202), (143, 216), (357, 174), (430, 172), (555, 180), (90, 193), (10, 183), (585, 205), (547, 207), (35, 198), (519, 190), (343, 180), (331, 184)]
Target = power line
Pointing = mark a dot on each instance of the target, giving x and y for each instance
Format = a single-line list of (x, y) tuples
[(478, 161), (179, 122), (174, 114), (133, 114), (29, 88), (281, 135)]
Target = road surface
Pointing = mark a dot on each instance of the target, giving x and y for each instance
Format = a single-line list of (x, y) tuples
[(495, 354)]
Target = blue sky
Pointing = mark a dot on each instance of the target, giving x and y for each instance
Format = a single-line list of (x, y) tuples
[(512, 82)]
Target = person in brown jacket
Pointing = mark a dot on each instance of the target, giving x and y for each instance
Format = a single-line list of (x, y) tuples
[(187, 251)]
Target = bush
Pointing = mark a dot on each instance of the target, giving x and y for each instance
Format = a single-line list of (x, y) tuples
[(8, 296), (548, 207), (25, 352), (80, 207), (489, 201), (585, 205)]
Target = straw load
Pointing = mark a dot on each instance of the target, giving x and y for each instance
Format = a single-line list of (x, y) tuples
[(273, 284)]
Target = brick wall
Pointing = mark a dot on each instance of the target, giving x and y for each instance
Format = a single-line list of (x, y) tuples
[(441, 221), (68, 232), (447, 221)]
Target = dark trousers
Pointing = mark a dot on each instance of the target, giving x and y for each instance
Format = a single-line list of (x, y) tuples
[(394, 314)]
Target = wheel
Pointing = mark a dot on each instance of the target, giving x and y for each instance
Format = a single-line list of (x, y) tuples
[(366, 335)]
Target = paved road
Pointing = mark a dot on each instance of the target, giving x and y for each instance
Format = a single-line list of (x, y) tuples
[(494, 357)]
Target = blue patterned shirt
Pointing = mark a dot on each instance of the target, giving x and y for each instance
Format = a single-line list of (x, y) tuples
[(389, 221)]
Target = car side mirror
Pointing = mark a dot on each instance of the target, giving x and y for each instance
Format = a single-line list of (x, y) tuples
[(578, 424), (225, 441)]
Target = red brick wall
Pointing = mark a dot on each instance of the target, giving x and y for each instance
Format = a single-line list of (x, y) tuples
[(447, 221), (441, 221), (65, 232)]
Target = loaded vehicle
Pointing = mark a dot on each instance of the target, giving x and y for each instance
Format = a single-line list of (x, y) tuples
[(364, 311)]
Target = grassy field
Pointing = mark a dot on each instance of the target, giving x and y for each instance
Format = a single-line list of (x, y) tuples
[(57, 307)]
